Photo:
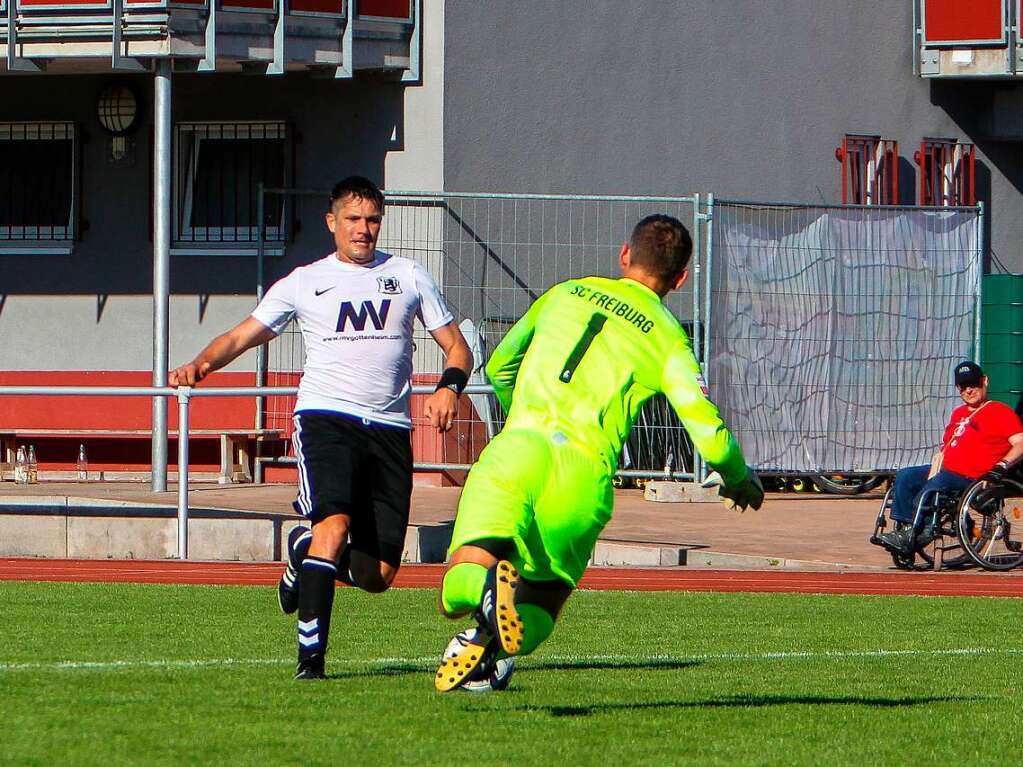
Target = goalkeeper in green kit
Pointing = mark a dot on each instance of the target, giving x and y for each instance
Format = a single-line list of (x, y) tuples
[(572, 375)]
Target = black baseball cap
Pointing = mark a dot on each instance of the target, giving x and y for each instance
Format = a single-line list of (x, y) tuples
[(969, 374)]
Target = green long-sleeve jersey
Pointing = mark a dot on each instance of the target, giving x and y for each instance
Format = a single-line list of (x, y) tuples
[(589, 353)]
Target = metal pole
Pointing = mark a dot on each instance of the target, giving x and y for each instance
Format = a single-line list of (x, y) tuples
[(346, 71), (697, 257), (184, 393), (261, 350), (980, 282), (14, 62), (708, 266), (161, 264), (697, 346), (415, 55), (260, 253), (12, 34), (117, 59)]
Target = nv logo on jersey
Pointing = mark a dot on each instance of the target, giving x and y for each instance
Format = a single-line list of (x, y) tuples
[(367, 311)]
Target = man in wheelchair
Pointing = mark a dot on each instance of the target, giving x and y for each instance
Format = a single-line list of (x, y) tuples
[(982, 439)]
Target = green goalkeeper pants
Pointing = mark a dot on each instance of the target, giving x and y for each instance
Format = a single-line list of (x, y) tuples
[(546, 495)]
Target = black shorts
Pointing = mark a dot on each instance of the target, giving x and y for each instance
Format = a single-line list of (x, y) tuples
[(350, 466)]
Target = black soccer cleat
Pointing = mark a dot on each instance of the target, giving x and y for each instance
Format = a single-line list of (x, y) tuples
[(497, 611), (310, 667), (287, 588)]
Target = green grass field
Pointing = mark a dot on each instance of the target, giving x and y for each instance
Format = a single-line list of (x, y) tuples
[(171, 675)]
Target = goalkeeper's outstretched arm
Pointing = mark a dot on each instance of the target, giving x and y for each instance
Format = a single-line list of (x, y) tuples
[(682, 385), (503, 366)]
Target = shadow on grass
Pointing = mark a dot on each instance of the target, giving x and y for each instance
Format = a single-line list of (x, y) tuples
[(587, 665), (748, 701), (396, 669), (401, 669)]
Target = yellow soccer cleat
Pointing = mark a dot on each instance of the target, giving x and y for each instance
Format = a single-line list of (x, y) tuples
[(497, 607), (463, 655)]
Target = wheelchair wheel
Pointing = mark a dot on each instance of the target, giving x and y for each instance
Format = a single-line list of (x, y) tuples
[(848, 485), (990, 524), (906, 561), (954, 556)]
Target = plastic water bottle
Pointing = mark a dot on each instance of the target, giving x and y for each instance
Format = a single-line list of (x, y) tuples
[(83, 464), (32, 466), (21, 467)]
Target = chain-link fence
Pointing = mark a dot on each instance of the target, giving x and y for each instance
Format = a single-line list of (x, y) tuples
[(492, 255), (834, 330), (831, 330)]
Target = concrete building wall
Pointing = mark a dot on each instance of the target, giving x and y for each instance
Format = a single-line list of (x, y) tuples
[(416, 162), (744, 99), (92, 310)]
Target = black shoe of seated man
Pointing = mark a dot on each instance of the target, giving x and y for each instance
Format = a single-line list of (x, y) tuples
[(311, 668), (287, 588), (898, 541)]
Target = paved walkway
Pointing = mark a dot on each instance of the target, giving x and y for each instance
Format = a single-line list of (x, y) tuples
[(820, 530)]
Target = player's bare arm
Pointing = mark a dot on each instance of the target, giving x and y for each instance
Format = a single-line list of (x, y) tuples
[(1015, 450), (442, 406), (221, 351)]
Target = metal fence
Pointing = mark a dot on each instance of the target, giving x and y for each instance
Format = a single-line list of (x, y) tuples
[(493, 255), (829, 333), (184, 396), (831, 330), (834, 330)]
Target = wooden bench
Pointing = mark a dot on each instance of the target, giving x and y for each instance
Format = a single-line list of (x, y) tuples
[(236, 445)]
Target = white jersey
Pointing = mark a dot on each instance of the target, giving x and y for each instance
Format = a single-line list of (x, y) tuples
[(356, 324)]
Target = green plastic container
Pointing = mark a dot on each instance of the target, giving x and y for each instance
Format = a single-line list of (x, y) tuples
[(1001, 337), (1001, 348)]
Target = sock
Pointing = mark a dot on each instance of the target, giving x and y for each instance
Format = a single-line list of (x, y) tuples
[(462, 588), (301, 550), (537, 625), (344, 567), (315, 600)]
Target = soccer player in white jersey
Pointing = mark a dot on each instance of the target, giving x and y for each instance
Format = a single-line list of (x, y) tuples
[(356, 309)]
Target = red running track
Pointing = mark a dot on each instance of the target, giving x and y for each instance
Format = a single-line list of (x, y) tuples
[(599, 578)]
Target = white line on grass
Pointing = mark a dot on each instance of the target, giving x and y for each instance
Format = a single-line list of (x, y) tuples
[(581, 660)]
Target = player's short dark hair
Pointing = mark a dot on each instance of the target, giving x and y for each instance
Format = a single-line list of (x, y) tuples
[(661, 246), (359, 187)]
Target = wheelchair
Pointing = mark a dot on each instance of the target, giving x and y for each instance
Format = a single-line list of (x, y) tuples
[(989, 523), (981, 525), (936, 542)]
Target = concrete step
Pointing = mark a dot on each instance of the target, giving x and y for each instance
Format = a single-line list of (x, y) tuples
[(110, 532), (664, 491), (89, 528), (67, 526)]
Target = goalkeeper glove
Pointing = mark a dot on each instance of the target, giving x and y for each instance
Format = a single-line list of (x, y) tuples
[(997, 472), (749, 492)]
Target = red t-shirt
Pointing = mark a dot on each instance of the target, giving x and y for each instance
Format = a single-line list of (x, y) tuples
[(976, 440)]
